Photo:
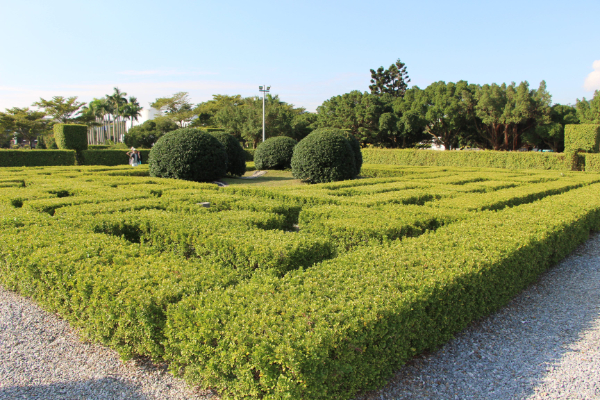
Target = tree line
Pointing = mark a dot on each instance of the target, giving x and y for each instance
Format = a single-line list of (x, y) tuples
[(391, 114)]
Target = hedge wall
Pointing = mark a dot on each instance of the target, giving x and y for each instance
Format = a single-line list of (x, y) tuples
[(592, 162), (584, 137), (489, 159), (71, 136), (110, 157), (36, 158)]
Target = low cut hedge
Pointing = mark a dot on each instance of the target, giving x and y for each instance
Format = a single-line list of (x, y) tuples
[(110, 157), (345, 325), (479, 159), (36, 158)]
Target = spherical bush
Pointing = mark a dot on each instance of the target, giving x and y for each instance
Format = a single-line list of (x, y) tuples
[(275, 153), (354, 143), (189, 154), (323, 156), (236, 156)]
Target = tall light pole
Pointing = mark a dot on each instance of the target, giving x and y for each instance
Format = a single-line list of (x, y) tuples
[(265, 90)]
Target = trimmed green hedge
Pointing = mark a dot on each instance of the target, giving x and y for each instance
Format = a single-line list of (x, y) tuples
[(592, 162), (71, 136), (110, 157), (36, 158), (345, 325), (582, 137), (479, 159)]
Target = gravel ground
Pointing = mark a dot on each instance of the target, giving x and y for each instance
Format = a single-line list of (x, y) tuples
[(544, 345), (41, 357)]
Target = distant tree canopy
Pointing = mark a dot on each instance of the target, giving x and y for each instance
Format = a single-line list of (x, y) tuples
[(23, 123), (588, 111), (393, 81), (499, 117), (242, 117)]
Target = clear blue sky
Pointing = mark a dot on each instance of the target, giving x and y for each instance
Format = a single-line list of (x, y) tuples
[(307, 51)]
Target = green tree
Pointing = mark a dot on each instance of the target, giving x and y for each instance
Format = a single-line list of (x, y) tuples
[(524, 110), (410, 111), (148, 133), (24, 123), (588, 111), (132, 110), (393, 81), (177, 107), (207, 110), (356, 111), (552, 135), (243, 119), (62, 110), (445, 112)]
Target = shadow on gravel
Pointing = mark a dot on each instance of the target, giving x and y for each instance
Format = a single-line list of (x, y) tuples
[(105, 388), (508, 355)]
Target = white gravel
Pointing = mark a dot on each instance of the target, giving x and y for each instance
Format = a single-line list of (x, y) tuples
[(41, 357), (544, 345)]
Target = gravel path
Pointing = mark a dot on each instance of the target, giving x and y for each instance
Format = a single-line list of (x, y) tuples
[(544, 345), (42, 358)]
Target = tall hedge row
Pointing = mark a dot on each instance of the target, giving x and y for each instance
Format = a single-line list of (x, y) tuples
[(71, 136), (582, 137), (592, 162), (484, 159), (36, 158)]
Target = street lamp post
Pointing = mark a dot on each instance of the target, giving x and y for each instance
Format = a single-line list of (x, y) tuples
[(265, 90)]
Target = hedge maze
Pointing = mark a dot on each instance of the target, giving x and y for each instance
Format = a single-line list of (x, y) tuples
[(302, 292)]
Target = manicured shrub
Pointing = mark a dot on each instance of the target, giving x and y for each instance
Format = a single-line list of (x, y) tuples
[(71, 136), (189, 154), (236, 157), (36, 158), (592, 163), (275, 153), (582, 137), (323, 156)]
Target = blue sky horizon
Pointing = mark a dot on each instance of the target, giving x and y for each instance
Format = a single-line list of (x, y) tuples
[(307, 52)]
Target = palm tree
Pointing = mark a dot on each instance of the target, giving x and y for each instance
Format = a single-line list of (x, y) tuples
[(132, 110), (117, 100)]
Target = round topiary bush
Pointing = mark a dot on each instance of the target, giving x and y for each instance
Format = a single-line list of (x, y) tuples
[(275, 153), (189, 154), (354, 143), (323, 156), (236, 156)]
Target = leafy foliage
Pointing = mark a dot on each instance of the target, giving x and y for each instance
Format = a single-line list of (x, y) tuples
[(324, 156), (236, 157), (583, 137), (393, 81), (189, 154), (275, 153), (146, 134), (62, 110)]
